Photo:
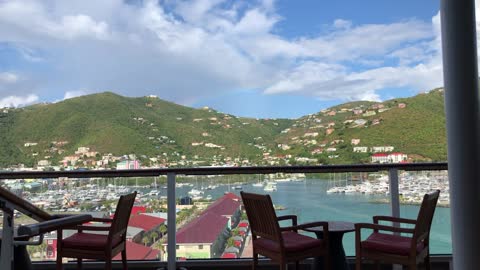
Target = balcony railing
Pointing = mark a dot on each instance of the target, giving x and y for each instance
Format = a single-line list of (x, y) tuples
[(173, 173)]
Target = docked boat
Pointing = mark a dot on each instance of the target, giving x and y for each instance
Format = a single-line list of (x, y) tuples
[(269, 187)]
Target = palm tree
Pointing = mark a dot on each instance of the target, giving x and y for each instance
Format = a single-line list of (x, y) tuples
[(160, 246), (163, 229), (230, 242), (154, 235), (145, 240)]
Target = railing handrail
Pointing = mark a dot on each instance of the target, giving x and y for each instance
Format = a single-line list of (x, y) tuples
[(226, 170)]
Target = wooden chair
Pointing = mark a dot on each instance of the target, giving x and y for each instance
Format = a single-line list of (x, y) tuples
[(394, 248), (99, 246), (281, 245)]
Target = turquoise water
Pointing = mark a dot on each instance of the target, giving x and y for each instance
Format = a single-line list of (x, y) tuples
[(310, 202)]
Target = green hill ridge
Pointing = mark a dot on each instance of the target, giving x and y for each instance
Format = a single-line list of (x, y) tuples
[(161, 132)]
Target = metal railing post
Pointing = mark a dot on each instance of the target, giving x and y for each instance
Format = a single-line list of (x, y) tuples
[(394, 201), (172, 222), (394, 195)]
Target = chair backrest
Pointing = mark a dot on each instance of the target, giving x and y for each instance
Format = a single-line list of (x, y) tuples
[(122, 215), (425, 216), (261, 216)]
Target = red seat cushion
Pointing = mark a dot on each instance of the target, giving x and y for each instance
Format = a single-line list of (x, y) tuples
[(389, 243), (292, 241), (88, 241)]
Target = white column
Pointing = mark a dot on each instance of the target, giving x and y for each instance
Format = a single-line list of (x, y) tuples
[(463, 128)]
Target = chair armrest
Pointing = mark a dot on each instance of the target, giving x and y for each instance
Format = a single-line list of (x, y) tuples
[(92, 228), (376, 219), (377, 227), (102, 219), (303, 226), (293, 218)]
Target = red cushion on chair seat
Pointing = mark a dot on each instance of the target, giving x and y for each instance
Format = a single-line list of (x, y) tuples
[(292, 242), (88, 241), (390, 243)]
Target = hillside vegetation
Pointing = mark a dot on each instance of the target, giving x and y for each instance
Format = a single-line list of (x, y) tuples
[(157, 131)]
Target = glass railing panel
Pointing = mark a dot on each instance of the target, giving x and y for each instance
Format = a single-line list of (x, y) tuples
[(412, 187), (210, 223), (146, 233), (351, 197), (312, 197)]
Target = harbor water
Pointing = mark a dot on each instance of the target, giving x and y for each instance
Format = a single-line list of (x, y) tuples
[(309, 200)]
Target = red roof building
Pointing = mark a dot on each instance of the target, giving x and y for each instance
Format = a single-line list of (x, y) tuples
[(204, 237), (204, 229), (145, 222), (138, 209), (139, 252), (227, 206)]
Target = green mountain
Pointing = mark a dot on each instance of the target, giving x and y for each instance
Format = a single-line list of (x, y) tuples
[(160, 131), (414, 126)]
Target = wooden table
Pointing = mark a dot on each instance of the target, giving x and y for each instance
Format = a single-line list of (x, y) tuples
[(336, 230)]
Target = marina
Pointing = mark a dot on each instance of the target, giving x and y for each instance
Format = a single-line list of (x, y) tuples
[(309, 199)]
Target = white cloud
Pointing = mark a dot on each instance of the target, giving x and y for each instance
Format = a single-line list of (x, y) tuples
[(18, 101), (192, 49), (8, 77), (342, 24), (73, 94)]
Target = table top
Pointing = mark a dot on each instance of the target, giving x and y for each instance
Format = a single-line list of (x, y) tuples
[(334, 226)]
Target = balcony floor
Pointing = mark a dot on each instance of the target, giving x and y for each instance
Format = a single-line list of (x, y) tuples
[(438, 263)]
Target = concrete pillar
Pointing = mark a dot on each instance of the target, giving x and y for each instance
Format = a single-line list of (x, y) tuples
[(463, 128)]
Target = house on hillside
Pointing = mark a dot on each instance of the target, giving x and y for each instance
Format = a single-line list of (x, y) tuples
[(378, 149), (128, 165), (360, 149), (360, 122), (357, 111), (379, 158), (369, 113), (389, 158)]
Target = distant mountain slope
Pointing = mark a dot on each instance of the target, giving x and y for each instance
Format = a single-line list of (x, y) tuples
[(152, 128), (109, 123), (415, 126)]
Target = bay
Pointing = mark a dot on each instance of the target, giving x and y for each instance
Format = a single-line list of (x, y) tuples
[(309, 200)]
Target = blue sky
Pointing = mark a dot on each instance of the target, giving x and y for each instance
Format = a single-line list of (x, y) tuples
[(257, 58)]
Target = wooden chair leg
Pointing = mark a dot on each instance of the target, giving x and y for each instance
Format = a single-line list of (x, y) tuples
[(283, 265), (59, 262), (327, 262), (124, 259), (255, 261), (108, 264), (427, 262), (79, 263), (358, 262)]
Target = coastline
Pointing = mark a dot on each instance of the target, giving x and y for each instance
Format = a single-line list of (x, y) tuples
[(404, 202)]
